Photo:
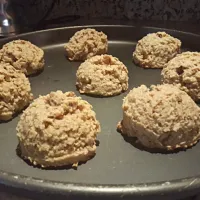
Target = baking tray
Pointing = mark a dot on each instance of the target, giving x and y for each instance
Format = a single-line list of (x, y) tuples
[(119, 169)]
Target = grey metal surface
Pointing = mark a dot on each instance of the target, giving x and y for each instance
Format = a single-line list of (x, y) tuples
[(117, 164)]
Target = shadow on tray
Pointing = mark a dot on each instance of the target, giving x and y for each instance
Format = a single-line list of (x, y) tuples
[(100, 96), (13, 117), (134, 142), (36, 73)]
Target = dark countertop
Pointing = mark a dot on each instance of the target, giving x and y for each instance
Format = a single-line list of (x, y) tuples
[(182, 26), (173, 10)]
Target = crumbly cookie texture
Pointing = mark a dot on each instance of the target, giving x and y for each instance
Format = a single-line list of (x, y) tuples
[(58, 129), (102, 75), (15, 91), (155, 50), (162, 117), (184, 72), (85, 44), (23, 55)]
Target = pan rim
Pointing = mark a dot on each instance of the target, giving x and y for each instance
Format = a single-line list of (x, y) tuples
[(97, 26), (187, 185)]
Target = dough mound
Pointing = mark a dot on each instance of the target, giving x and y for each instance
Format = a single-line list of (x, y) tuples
[(85, 44), (184, 72), (23, 55), (162, 117), (102, 75), (58, 129), (15, 91), (155, 50)]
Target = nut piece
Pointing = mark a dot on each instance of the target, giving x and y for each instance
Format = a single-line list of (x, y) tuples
[(155, 50), (85, 44), (58, 129), (161, 117), (15, 91), (184, 72), (102, 75), (23, 55)]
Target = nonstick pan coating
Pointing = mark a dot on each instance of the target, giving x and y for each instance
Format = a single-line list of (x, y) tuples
[(119, 168)]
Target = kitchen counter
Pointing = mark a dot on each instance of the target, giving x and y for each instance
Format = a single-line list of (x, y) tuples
[(168, 10)]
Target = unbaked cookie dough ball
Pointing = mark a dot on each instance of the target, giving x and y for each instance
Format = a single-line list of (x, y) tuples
[(15, 91), (102, 75), (163, 117), (58, 129), (85, 44), (155, 50), (184, 72), (23, 55)]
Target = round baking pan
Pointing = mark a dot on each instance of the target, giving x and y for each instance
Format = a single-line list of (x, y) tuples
[(120, 169)]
